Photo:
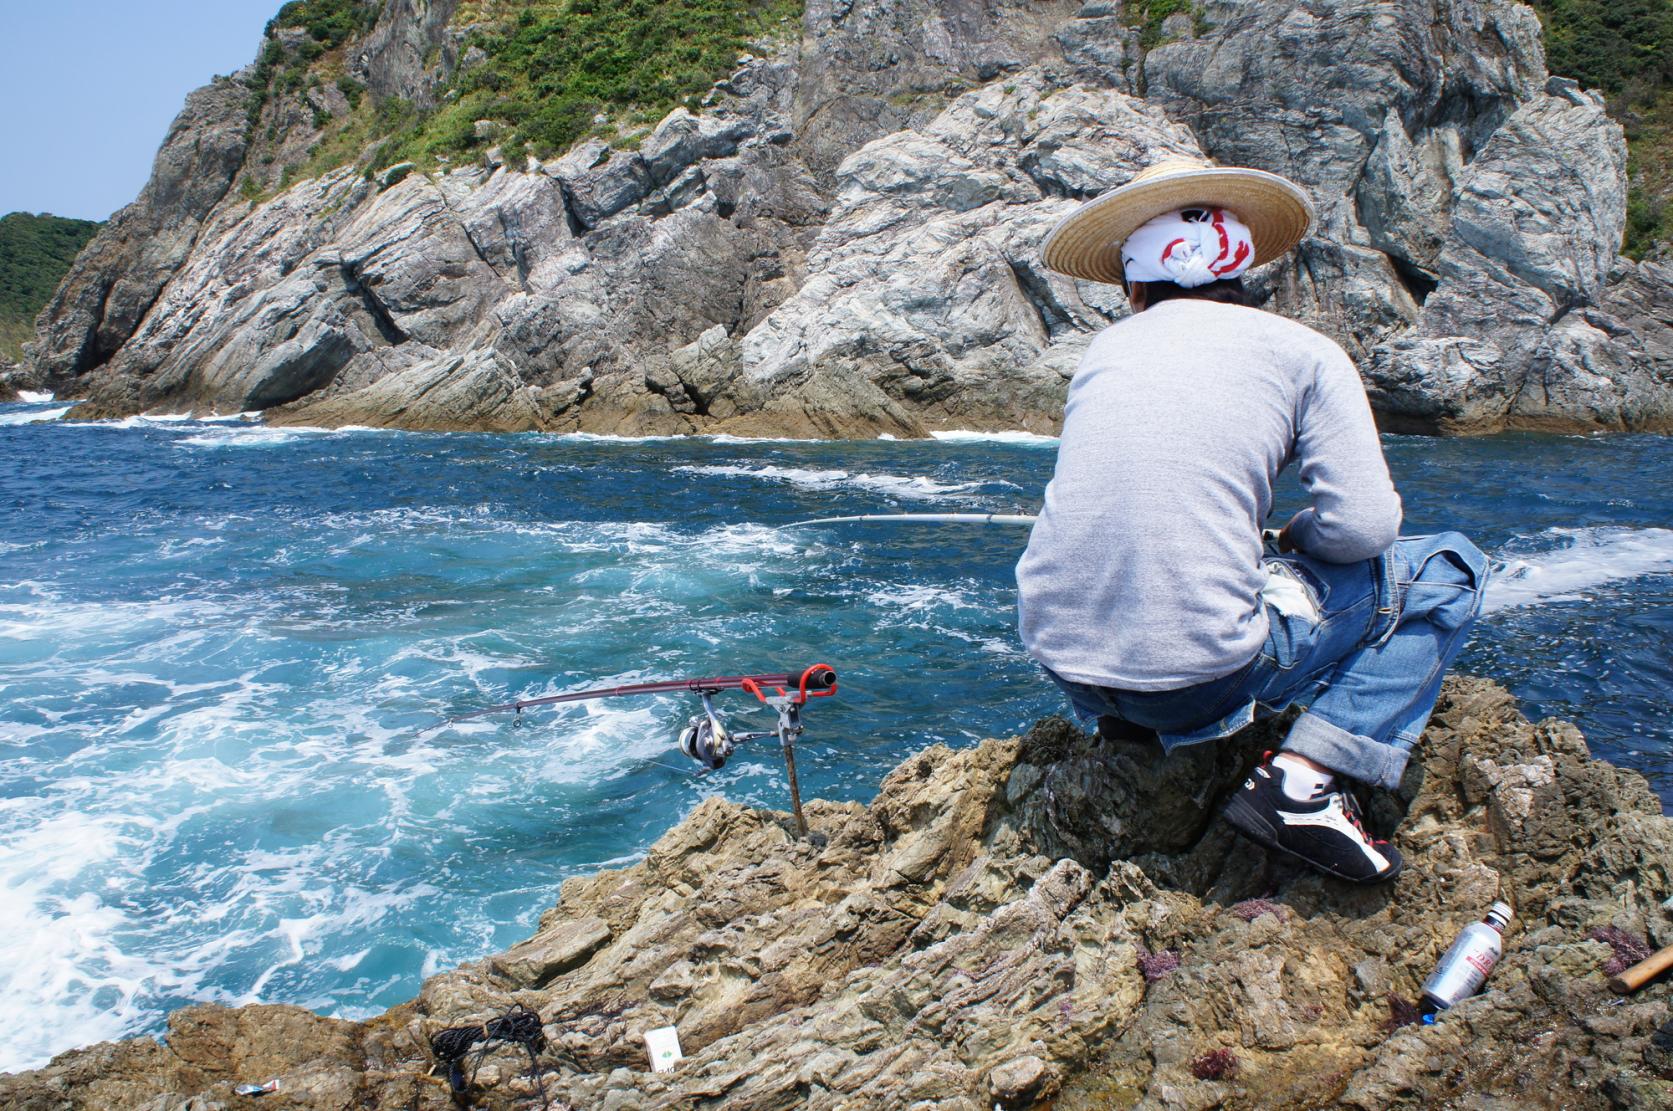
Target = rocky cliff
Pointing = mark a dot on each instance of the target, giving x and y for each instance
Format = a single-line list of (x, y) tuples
[(843, 241), (1031, 923)]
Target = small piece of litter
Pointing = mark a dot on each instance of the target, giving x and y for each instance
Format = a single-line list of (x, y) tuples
[(258, 1089), (663, 1045)]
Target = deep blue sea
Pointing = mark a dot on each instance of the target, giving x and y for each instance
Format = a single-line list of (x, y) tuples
[(222, 645)]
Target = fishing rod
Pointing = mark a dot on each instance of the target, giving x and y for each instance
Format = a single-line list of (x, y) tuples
[(924, 518), (1270, 538), (706, 737)]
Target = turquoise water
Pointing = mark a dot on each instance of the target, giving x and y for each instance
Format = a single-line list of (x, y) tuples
[(221, 646)]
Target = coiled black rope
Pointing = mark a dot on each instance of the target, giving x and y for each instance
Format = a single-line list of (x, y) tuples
[(518, 1026)]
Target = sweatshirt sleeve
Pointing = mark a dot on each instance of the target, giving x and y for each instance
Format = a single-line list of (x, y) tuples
[(1355, 512)]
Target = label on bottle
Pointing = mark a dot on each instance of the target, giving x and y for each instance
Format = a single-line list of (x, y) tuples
[(1484, 961), (1464, 967)]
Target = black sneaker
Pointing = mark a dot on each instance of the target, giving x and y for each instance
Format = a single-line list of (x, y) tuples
[(1325, 832)]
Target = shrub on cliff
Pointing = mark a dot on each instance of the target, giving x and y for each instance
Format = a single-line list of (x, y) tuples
[(328, 22), (550, 70), (1625, 49)]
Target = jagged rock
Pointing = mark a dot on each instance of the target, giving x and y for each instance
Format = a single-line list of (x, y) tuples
[(872, 67), (844, 241), (116, 280), (553, 953), (937, 950), (1536, 219), (925, 283), (395, 60)]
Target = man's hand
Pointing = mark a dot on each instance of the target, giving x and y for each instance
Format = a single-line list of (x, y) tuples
[(1286, 542)]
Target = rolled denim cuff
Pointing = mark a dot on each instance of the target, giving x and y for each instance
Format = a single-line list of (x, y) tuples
[(1346, 753)]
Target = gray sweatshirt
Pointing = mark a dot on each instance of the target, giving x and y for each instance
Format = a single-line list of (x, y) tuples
[(1143, 569)]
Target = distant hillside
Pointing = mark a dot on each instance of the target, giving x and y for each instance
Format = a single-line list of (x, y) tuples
[(35, 251), (1625, 48)]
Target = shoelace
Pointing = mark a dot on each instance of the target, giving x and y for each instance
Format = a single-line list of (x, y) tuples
[(1350, 807)]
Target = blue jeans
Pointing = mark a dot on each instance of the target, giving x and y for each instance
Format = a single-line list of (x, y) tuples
[(1364, 661)]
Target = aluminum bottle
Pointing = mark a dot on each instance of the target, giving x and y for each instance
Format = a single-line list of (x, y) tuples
[(1464, 967)]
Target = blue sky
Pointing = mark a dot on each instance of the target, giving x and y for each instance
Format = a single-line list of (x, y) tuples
[(88, 88)]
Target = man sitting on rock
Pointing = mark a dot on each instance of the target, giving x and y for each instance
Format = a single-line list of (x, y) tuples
[(1146, 591)]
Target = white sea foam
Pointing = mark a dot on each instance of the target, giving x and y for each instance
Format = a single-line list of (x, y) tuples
[(35, 397), (607, 438), (728, 438), (600, 740), (919, 596), (961, 436), (33, 416), (917, 487), (142, 420), (63, 966), (251, 436), (1581, 560)]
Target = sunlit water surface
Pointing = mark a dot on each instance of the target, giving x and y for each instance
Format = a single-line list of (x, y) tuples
[(221, 645)]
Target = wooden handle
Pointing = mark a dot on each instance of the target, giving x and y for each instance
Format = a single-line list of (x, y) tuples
[(1643, 972)]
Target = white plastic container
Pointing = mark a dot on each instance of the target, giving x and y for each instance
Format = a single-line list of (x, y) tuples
[(1467, 963), (663, 1046)]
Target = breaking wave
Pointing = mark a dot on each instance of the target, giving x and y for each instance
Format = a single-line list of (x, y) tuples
[(1572, 561), (1030, 439), (916, 487)]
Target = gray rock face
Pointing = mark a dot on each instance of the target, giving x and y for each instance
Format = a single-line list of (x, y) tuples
[(966, 942), (1535, 220), (394, 59), (924, 292), (844, 241), (116, 280)]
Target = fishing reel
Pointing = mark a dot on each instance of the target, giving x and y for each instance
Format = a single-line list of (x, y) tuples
[(706, 739)]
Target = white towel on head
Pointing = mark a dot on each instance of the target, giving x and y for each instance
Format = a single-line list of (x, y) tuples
[(1188, 246)]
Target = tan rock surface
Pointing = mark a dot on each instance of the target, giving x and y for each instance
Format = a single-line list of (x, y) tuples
[(934, 950)]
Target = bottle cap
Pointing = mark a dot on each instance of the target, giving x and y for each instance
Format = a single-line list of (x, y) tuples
[(1502, 912)]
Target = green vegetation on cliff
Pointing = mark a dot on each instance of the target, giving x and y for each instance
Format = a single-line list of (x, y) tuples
[(542, 73), (1625, 49), (35, 251), (557, 66), (1149, 16)]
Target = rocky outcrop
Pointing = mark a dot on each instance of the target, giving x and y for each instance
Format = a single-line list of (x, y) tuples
[(116, 280), (844, 241), (1029, 923)]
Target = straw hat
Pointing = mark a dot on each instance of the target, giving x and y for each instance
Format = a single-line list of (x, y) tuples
[(1087, 242)]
